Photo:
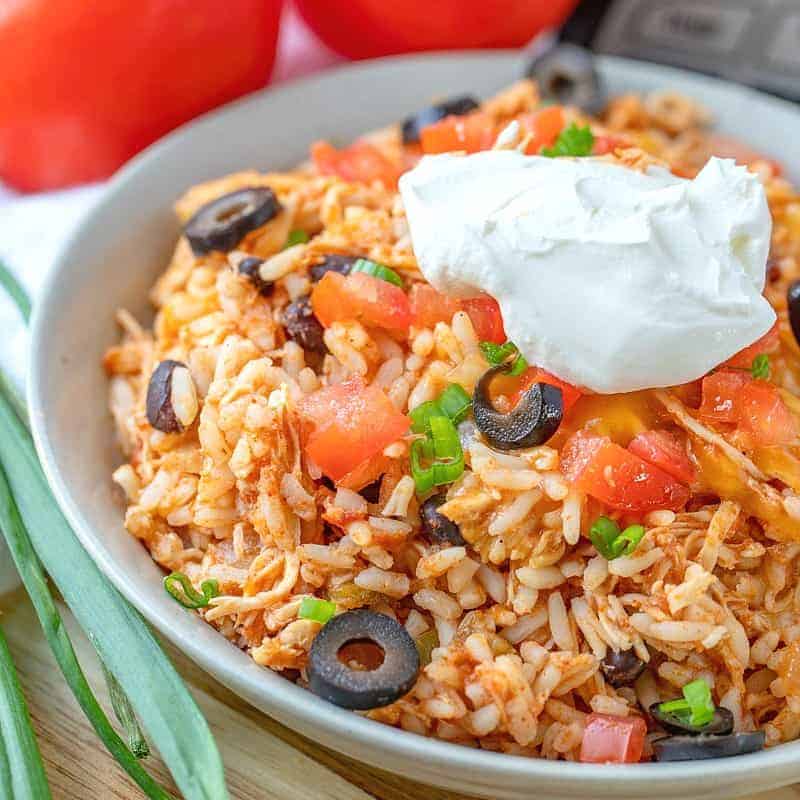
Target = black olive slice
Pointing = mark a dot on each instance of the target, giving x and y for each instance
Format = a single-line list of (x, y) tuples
[(437, 527), (793, 303), (171, 397), (721, 723), (459, 106), (224, 222), (250, 268), (372, 491), (566, 75), (696, 748), (621, 667), (531, 422), (334, 677), (303, 327), (333, 263)]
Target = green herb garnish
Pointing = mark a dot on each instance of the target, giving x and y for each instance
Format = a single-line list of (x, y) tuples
[(316, 609), (453, 403), (572, 141), (760, 367), (612, 543), (696, 707), (296, 236), (426, 643), (377, 271), (180, 588)]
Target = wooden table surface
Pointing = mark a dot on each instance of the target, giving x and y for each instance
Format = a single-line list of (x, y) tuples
[(264, 760)]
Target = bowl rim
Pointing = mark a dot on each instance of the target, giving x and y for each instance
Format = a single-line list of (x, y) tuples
[(288, 701)]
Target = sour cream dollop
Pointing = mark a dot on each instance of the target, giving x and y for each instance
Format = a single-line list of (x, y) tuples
[(611, 279)]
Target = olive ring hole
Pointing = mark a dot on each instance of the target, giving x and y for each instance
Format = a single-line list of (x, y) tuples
[(362, 655), (560, 84), (225, 214)]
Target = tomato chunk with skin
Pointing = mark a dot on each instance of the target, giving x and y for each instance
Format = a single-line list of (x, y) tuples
[(360, 162), (617, 477), (429, 306), (348, 424), (361, 297), (764, 415), (664, 450), (721, 394), (754, 406), (569, 394), (767, 344), (609, 739), (544, 126), (471, 132), (484, 313)]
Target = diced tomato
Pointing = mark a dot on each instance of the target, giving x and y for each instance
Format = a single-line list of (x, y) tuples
[(754, 406), (544, 125), (429, 306), (721, 396), (360, 162), (605, 143), (764, 415), (617, 477), (609, 739), (569, 394), (664, 450), (472, 132), (361, 297), (484, 313), (349, 425), (768, 343)]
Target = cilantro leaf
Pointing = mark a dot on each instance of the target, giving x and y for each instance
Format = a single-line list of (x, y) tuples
[(572, 141), (760, 367)]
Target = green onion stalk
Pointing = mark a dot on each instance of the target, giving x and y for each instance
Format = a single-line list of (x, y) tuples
[(22, 774)]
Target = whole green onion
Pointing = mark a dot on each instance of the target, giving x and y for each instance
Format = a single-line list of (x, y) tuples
[(122, 639), (22, 767), (15, 290), (187, 595), (316, 609), (35, 582), (377, 271), (123, 711)]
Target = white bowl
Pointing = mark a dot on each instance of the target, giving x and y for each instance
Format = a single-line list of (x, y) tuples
[(112, 260)]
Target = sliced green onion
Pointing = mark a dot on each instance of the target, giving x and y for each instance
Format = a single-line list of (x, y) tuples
[(377, 271), (123, 711), (760, 367), (421, 416), (442, 452), (426, 643), (603, 534), (316, 609), (701, 704), (22, 767), (122, 639), (629, 540), (187, 595), (610, 542), (497, 354), (9, 282), (296, 237), (572, 141), (696, 706), (455, 403), (36, 584)]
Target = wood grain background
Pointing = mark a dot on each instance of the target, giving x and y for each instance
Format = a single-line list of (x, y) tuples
[(264, 760)]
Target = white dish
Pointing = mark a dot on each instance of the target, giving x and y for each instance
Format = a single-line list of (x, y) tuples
[(112, 260)]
